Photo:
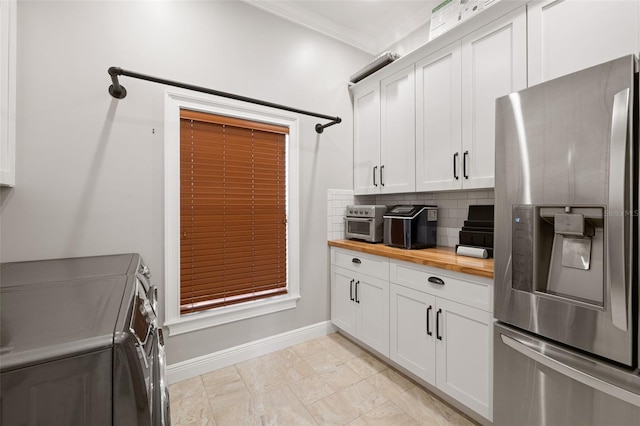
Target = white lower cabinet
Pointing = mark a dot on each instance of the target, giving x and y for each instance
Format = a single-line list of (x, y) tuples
[(413, 341), (441, 331), (343, 312), (360, 302), (436, 324), (443, 342), (463, 355)]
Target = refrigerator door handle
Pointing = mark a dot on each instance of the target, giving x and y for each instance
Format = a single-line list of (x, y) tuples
[(615, 221), (539, 353)]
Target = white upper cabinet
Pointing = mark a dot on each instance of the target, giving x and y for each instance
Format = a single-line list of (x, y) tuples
[(384, 135), (397, 139), (366, 133), (494, 64), (439, 120), (570, 35), (7, 92), (427, 121), (455, 103)]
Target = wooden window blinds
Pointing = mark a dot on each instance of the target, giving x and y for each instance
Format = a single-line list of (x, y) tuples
[(233, 218)]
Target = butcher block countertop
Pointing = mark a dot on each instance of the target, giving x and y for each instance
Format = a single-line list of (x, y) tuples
[(439, 257)]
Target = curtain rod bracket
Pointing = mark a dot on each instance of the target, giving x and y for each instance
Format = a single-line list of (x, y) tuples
[(116, 89), (119, 92), (320, 127)]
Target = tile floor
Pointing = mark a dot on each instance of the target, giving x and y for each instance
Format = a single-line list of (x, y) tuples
[(328, 380)]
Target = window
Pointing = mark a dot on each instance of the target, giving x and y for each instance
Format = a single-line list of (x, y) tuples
[(230, 212), (233, 217)]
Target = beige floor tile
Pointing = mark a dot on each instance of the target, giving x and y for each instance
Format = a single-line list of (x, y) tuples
[(296, 369), (234, 411), (340, 347), (341, 377), (346, 405), (366, 365), (224, 382), (308, 348), (281, 407), (390, 383), (358, 422), (388, 414), (328, 380), (334, 410), (429, 410), (228, 402), (185, 388), (273, 371), (311, 389), (259, 379), (192, 410), (274, 407), (271, 360), (363, 396), (323, 362), (286, 356), (200, 422)]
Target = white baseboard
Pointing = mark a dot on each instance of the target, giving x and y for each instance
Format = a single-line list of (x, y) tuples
[(196, 366)]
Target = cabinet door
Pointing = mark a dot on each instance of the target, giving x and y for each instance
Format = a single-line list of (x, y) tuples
[(567, 36), (398, 138), (412, 331), (438, 120), (494, 64), (464, 356), (366, 133), (372, 300), (7, 92), (343, 309)]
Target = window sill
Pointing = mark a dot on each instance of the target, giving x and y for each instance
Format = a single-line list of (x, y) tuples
[(224, 315)]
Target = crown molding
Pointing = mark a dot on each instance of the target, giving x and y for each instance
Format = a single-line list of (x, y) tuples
[(374, 45)]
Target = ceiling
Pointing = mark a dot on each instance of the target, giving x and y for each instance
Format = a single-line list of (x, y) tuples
[(370, 25)]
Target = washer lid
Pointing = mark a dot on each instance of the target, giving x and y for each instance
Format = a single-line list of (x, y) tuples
[(58, 308)]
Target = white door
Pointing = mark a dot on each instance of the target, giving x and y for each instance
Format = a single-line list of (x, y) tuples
[(464, 355), (439, 120), (412, 331), (372, 300), (397, 139), (494, 64), (343, 309), (366, 133), (567, 36)]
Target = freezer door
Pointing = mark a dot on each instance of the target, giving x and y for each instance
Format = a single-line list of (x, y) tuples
[(539, 383), (565, 211)]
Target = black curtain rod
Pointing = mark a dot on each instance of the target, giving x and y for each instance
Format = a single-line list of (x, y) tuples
[(118, 91)]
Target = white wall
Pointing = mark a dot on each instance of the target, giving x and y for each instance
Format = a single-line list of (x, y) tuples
[(412, 41), (90, 168)]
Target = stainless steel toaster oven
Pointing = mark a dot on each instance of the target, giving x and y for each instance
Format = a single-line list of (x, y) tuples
[(364, 222)]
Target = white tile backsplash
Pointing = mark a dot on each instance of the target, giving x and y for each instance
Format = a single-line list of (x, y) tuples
[(453, 208), (337, 202)]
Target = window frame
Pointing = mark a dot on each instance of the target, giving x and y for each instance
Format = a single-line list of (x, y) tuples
[(176, 323)]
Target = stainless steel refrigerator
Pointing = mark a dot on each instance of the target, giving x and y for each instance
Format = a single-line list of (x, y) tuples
[(566, 344)]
